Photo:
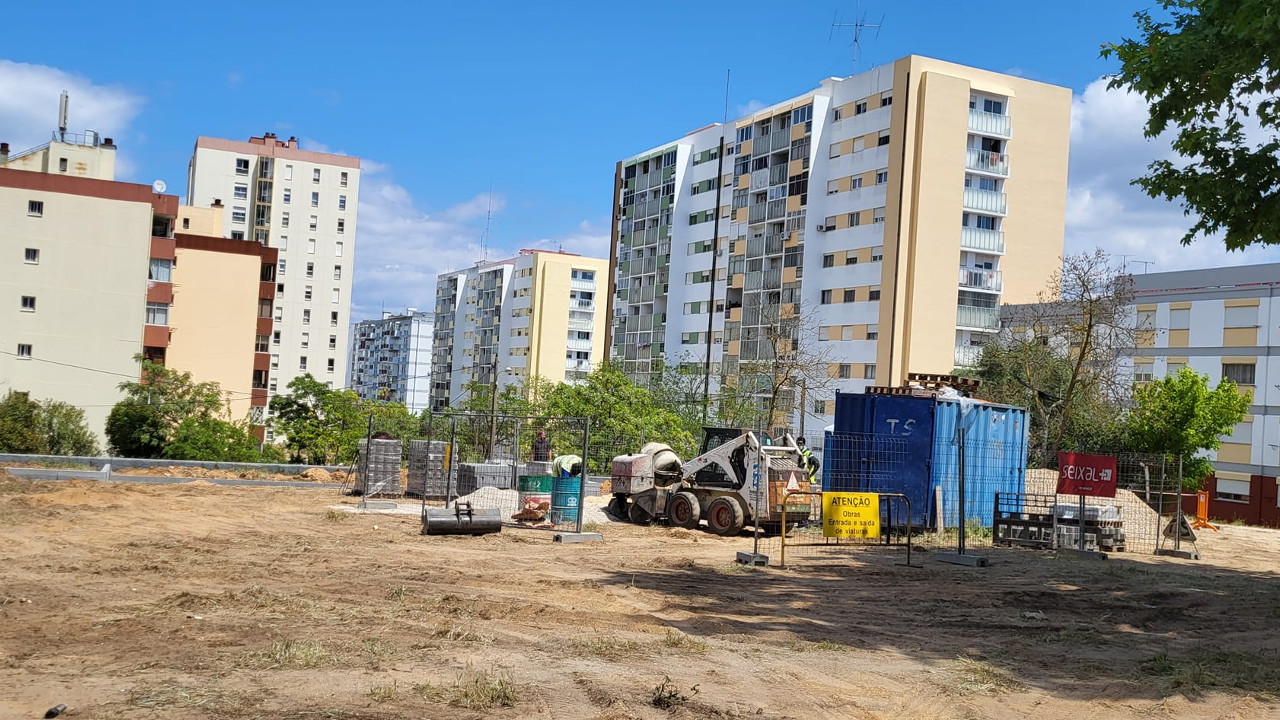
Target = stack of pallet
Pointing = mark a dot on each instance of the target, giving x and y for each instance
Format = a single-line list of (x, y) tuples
[(473, 476), (427, 478), (537, 467), (378, 468)]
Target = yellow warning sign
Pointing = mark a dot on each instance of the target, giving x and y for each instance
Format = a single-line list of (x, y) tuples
[(850, 515)]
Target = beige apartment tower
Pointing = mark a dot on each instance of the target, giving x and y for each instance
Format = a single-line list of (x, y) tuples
[(895, 210)]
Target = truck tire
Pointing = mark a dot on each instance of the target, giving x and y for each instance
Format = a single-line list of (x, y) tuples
[(684, 511), (725, 517), (617, 507), (638, 515)]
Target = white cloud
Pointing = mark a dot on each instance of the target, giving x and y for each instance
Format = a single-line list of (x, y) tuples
[(29, 105), (1104, 210), (587, 239), (750, 108)]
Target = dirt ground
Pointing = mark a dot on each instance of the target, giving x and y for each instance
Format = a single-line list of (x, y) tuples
[(196, 601)]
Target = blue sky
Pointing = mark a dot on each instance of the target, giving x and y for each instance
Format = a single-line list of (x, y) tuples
[(535, 102)]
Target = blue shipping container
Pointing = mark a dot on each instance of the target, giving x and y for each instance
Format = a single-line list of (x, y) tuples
[(908, 445)]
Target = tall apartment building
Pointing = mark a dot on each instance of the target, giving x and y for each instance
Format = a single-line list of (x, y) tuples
[(391, 358), (894, 210), (537, 314), (97, 275), (304, 205), (1224, 323)]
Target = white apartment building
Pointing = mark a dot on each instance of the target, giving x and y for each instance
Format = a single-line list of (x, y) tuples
[(391, 358), (538, 314), (895, 210), (303, 203)]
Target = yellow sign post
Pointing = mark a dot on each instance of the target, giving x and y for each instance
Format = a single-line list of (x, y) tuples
[(850, 515)]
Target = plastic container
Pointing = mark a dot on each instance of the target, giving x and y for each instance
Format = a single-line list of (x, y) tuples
[(565, 491)]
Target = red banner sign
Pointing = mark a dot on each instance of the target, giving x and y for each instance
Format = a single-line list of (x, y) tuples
[(1093, 475)]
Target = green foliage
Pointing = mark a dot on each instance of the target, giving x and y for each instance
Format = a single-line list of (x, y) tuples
[(136, 430), (202, 437), (48, 427), (323, 426), (1181, 416), (1211, 71), (174, 393)]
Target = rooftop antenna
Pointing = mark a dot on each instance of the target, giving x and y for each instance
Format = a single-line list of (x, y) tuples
[(1144, 263), (484, 239), (63, 100), (859, 24)]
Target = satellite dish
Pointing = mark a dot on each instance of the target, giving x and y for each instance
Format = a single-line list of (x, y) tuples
[(159, 186)]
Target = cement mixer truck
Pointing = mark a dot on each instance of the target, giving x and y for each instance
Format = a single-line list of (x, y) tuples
[(735, 482)]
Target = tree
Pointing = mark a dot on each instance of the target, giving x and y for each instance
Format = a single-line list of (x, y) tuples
[(779, 356), (1083, 321), (1180, 415), (18, 432), (323, 426), (136, 430), (1211, 70), (64, 430), (202, 437), (175, 394)]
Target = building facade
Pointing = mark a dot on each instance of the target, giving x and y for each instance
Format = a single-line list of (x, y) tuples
[(391, 358), (1223, 323), (892, 211), (539, 314), (304, 205)]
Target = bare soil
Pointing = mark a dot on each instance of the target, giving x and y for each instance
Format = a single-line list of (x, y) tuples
[(196, 601)]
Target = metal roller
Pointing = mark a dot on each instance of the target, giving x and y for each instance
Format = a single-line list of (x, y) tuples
[(461, 519)]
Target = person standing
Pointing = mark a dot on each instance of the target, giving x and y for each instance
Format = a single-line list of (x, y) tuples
[(541, 447), (807, 460)]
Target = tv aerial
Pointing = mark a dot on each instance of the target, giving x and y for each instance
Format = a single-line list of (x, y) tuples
[(859, 25)]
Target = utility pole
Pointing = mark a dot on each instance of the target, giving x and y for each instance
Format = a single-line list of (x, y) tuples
[(493, 406), (804, 405), (715, 255)]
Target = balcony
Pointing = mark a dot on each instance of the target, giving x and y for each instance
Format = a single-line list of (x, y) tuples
[(968, 356), (989, 241), (577, 344), (987, 162), (990, 123), (980, 279), (989, 201), (576, 284), (577, 365), (976, 318)]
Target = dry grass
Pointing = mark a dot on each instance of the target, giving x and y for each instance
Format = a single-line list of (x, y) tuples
[(977, 677), (668, 696), (385, 693), (459, 633), (820, 646), (289, 655), (475, 690), (1199, 671), (338, 516), (608, 648), (682, 644), (209, 698)]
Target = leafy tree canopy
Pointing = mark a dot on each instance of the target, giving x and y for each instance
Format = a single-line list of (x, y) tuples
[(207, 438), (1210, 69), (46, 427), (1180, 415)]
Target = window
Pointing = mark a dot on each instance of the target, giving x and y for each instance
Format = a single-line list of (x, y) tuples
[(882, 177), (877, 253), (306, 317), (1142, 372), (242, 166), (311, 247), (859, 144), (288, 195), (1241, 433), (284, 219), (315, 199), (157, 313), (302, 361), (311, 269), (62, 164), (834, 152), (24, 351), (329, 365), (855, 183), (1241, 317), (1180, 319), (337, 272), (275, 337), (237, 234), (744, 133), (280, 268), (833, 187), (855, 219), (1239, 373), (237, 214), (31, 256), (828, 260), (1174, 368), (35, 208), (260, 344), (869, 372), (993, 106), (264, 308), (315, 175), (886, 101), (1146, 319), (874, 293), (288, 172), (284, 242), (837, 114), (314, 223), (333, 319), (873, 332), (850, 259), (333, 342), (342, 202), (306, 340), (845, 371), (28, 303), (342, 226), (877, 215), (334, 297), (826, 297), (860, 107), (241, 192), (306, 293), (337, 249), (342, 179), (883, 139), (850, 295)]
